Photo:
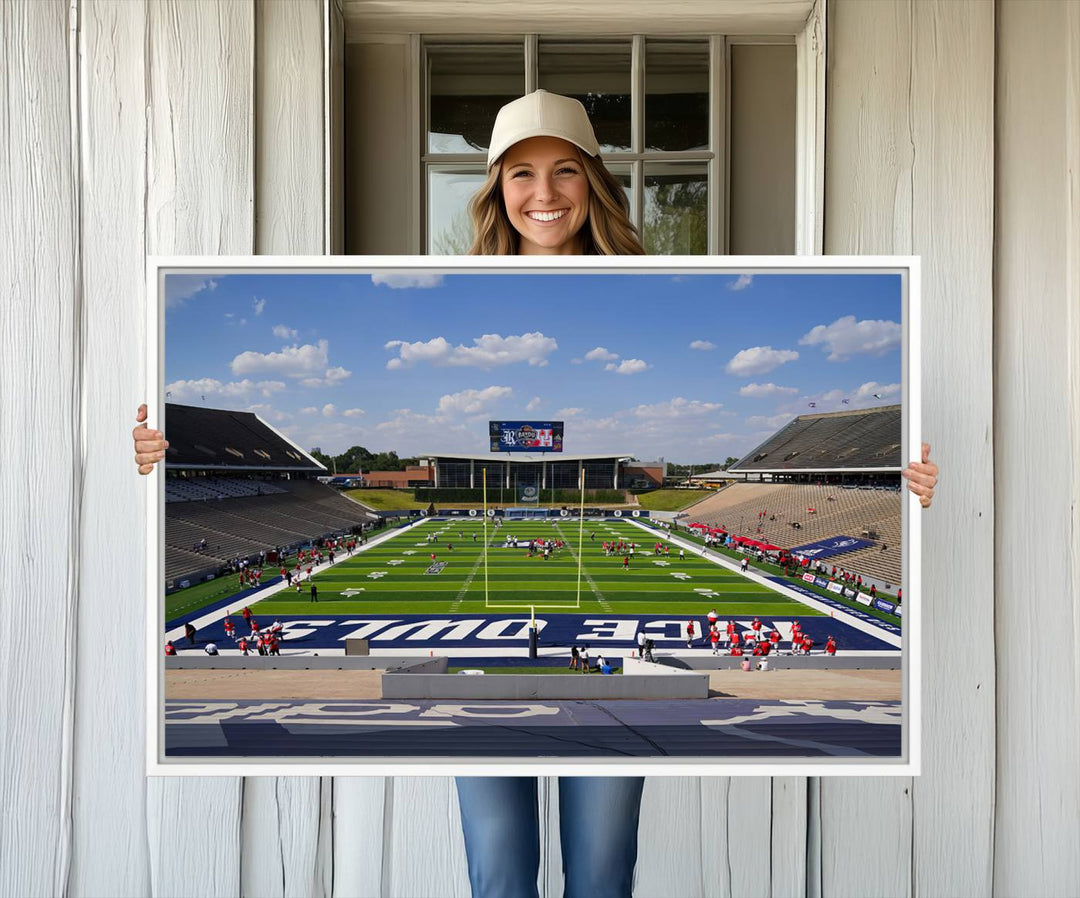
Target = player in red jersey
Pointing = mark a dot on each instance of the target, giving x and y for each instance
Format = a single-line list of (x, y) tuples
[(170, 649), (230, 630), (830, 646)]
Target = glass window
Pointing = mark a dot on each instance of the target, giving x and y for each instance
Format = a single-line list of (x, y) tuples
[(676, 209), (654, 111), (597, 74), (467, 85), (449, 190), (676, 95)]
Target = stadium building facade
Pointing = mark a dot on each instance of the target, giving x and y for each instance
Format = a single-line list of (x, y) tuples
[(544, 471)]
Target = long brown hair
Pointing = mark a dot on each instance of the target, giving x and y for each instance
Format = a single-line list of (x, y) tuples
[(608, 230)]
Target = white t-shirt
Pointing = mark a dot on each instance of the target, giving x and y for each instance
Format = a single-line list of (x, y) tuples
[(211, 649)]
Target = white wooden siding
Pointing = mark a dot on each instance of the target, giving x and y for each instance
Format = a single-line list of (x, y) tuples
[(953, 132), (1036, 842)]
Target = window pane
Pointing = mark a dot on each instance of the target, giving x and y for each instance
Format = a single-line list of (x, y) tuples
[(597, 74), (449, 191), (676, 95), (676, 209), (467, 84)]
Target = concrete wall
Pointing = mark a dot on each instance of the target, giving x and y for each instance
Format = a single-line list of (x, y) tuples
[(564, 687)]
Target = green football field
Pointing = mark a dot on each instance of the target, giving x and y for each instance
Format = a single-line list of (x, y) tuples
[(397, 576)]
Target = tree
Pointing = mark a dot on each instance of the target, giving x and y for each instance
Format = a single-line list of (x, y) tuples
[(676, 216), (728, 462)]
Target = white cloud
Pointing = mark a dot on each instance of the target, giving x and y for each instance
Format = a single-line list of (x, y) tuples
[(353, 413), (306, 363), (470, 402), (333, 377), (744, 281), (284, 333), (677, 408), (420, 280), (703, 345), (773, 422), (188, 390), (759, 360), (846, 337), (309, 410), (181, 287), (533, 404), (258, 305), (760, 391), (628, 366), (884, 391), (600, 354), (292, 361), (575, 361), (269, 413), (243, 321), (487, 351), (568, 413), (328, 410)]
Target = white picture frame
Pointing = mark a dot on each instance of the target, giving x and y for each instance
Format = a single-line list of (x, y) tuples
[(907, 763)]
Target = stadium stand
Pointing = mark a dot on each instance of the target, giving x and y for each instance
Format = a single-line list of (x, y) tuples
[(849, 511), (241, 487), (832, 441), (822, 475)]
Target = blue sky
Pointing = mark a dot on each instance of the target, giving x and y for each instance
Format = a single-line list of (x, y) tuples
[(692, 368)]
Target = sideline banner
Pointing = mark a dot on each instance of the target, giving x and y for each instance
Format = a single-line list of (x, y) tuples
[(835, 545)]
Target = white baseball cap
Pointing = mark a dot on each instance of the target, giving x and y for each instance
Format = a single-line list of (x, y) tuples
[(541, 114)]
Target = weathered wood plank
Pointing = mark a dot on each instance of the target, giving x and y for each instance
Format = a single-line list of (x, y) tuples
[(1038, 459), (199, 200), (362, 805), (670, 837), (289, 127), (41, 445), (952, 124), (279, 837), (424, 848), (110, 734), (788, 842)]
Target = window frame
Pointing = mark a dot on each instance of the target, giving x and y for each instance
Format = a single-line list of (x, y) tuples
[(809, 42)]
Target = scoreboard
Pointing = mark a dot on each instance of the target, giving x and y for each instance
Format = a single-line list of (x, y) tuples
[(526, 436)]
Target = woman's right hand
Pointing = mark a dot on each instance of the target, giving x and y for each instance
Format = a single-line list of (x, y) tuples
[(150, 445)]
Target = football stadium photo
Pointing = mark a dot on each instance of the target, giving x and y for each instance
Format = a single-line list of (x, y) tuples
[(557, 515)]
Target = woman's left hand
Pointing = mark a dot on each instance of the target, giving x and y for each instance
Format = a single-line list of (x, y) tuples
[(922, 477)]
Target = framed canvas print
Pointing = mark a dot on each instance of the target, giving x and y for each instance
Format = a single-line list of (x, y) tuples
[(505, 515)]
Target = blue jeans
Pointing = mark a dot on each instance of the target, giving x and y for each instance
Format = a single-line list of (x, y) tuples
[(598, 822)]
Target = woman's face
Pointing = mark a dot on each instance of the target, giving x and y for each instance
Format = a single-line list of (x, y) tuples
[(546, 195)]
